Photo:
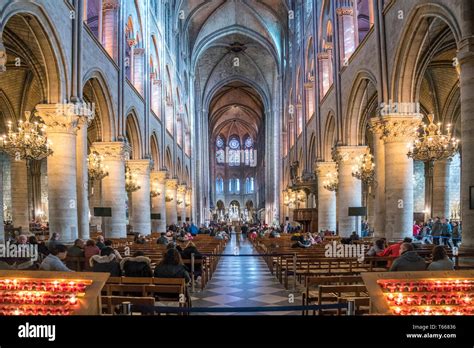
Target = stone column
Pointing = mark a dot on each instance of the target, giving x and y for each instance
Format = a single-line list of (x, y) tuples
[(62, 122), (188, 204), (326, 199), (109, 28), (466, 61), (113, 186), (349, 192), (82, 182), (158, 205), (140, 219), (441, 188), (171, 198), (95, 201), (379, 161), (138, 66), (399, 131), (181, 194), (157, 183), (19, 195)]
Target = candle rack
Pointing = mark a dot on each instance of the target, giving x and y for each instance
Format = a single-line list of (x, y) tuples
[(421, 293), (50, 293)]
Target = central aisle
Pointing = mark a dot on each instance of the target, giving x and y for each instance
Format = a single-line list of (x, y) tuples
[(244, 281)]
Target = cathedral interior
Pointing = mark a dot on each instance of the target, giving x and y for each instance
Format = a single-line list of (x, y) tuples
[(241, 127)]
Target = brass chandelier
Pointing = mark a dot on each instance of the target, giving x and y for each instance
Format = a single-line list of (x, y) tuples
[(364, 170), (28, 142), (331, 183), (131, 183), (433, 145), (96, 169)]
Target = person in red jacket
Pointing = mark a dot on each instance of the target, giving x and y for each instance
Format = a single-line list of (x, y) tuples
[(394, 249)]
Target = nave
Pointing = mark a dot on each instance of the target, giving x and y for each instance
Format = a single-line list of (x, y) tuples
[(244, 281)]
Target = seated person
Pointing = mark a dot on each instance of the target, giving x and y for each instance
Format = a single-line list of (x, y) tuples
[(377, 248), (54, 261), (54, 240), (42, 248), (186, 254), (77, 250), (303, 242), (162, 240), (106, 262), (100, 242), (409, 260), (394, 249), (171, 267), (139, 239), (90, 250), (354, 236), (108, 243), (136, 266), (441, 261)]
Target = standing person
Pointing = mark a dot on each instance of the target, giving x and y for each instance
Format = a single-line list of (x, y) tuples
[(445, 232), (436, 231), (416, 230), (456, 235)]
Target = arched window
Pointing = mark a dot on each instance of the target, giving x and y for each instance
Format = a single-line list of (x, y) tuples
[(248, 152), (220, 153), (237, 185), (234, 151), (249, 185), (219, 185)]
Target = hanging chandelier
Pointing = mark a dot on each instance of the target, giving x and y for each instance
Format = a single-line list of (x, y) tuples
[(96, 169), (154, 192), (28, 142), (364, 170), (131, 183), (331, 183), (432, 145)]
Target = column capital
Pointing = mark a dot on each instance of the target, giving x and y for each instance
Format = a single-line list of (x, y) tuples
[(139, 51), (323, 168), (182, 189), (159, 175), (86, 113), (110, 5), (466, 49), (344, 11), (400, 127), (141, 166), (348, 154), (376, 126), (171, 184), (308, 85), (59, 118), (116, 150)]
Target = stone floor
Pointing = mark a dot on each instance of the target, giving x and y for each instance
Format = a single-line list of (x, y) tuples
[(244, 281)]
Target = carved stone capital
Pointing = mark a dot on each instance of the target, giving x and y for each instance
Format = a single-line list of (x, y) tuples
[(400, 127), (182, 189), (115, 150), (344, 11), (59, 118), (376, 126), (171, 184), (139, 51), (323, 168), (159, 176), (323, 55), (108, 5), (140, 167), (348, 155)]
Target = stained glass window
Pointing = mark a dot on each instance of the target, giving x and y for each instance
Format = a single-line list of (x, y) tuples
[(220, 153), (234, 151)]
